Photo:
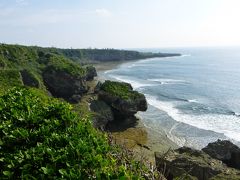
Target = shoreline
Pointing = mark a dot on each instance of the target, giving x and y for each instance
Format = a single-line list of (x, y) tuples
[(142, 140)]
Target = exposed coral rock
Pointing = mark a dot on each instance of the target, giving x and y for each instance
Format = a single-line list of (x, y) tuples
[(90, 73), (29, 79), (97, 87), (188, 163), (225, 151), (64, 85), (121, 97), (103, 114)]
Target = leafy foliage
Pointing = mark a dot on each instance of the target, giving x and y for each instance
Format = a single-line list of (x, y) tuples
[(120, 89), (59, 63), (41, 138), (8, 79)]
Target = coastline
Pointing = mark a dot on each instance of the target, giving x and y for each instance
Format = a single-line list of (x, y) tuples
[(142, 140)]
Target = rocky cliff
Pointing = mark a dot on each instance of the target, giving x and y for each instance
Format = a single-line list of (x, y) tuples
[(123, 101)]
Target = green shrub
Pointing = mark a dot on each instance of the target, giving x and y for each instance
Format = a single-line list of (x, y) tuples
[(59, 63), (41, 138), (120, 89), (30, 78), (8, 79)]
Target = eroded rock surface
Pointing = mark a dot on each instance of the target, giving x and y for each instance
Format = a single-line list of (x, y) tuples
[(124, 102), (122, 98), (103, 114), (225, 151), (90, 73), (64, 85), (187, 163)]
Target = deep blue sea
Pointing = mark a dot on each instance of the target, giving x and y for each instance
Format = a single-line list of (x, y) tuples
[(194, 98)]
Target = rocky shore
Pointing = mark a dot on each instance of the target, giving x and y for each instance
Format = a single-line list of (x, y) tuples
[(218, 160), (113, 106)]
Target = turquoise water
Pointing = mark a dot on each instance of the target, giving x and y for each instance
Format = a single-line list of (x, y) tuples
[(194, 98)]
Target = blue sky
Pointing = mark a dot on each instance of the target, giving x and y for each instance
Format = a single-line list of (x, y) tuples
[(120, 23)]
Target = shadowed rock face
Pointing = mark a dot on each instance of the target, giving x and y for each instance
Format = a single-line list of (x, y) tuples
[(29, 79), (123, 101), (90, 73), (121, 97), (103, 114), (187, 163), (224, 151), (64, 85)]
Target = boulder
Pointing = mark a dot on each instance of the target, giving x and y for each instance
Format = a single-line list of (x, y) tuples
[(90, 73), (121, 97), (64, 85), (224, 151), (103, 114), (187, 163)]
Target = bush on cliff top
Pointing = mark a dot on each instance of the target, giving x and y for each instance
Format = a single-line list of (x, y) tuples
[(121, 90), (41, 138), (8, 79), (59, 63)]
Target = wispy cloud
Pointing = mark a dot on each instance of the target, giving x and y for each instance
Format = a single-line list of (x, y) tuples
[(103, 12), (22, 2)]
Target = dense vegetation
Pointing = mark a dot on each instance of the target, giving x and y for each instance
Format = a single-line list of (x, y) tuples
[(32, 61), (82, 56), (60, 63), (121, 90), (41, 138), (25, 65), (8, 79), (103, 55)]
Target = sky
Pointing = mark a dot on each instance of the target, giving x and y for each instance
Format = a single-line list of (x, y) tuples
[(120, 23)]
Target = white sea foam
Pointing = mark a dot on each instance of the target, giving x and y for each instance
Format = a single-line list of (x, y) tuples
[(229, 125), (131, 65), (135, 84), (192, 100), (236, 114), (110, 71), (167, 81), (185, 55)]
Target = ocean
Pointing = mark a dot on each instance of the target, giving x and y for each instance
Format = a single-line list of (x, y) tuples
[(193, 98)]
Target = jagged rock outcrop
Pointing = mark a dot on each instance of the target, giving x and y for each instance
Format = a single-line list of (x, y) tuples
[(90, 73), (98, 87), (121, 97), (224, 151), (29, 78), (187, 163), (63, 78), (102, 114), (64, 85), (123, 100)]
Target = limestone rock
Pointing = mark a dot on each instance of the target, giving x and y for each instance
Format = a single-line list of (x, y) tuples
[(64, 85), (103, 114), (90, 73), (97, 87), (187, 163), (121, 97), (29, 79), (225, 151)]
